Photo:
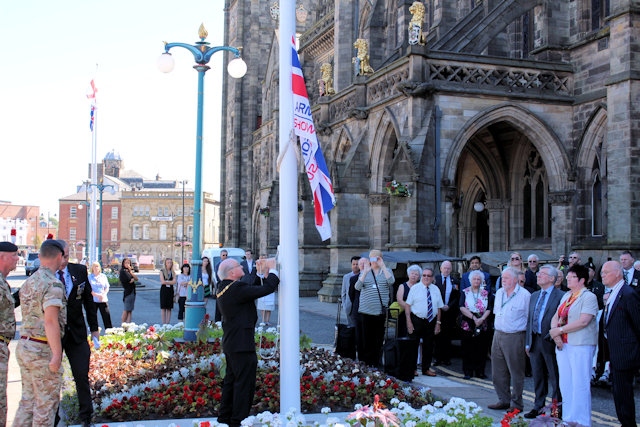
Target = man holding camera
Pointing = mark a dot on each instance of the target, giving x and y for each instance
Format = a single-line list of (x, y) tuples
[(236, 301)]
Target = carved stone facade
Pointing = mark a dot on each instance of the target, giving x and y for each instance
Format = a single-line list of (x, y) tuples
[(529, 107)]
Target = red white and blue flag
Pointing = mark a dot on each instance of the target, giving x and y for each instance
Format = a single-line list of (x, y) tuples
[(317, 171), (91, 95)]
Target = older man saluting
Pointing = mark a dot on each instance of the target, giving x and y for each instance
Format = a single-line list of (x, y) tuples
[(236, 300), (511, 307)]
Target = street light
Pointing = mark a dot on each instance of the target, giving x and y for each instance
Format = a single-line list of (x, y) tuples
[(182, 239), (101, 187), (237, 68), (81, 205)]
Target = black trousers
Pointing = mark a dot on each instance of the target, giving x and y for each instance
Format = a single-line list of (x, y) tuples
[(238, 387), (474, 353), (79, 355), (544, 369), (622, 388), (103, 307), (181, 302), (425, 330), (372, 338)]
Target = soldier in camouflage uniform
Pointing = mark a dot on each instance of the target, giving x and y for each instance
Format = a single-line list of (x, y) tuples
[(8, 260), (39, 352)]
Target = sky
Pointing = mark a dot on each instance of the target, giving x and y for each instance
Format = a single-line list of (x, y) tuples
[(49, 56)]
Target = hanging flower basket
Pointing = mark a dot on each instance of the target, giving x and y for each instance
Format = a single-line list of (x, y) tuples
[(265, 212), (398, 189)]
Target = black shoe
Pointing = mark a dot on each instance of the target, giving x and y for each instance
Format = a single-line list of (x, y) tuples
[(532, 414), (481, 376), (467, 377), (498, 405)]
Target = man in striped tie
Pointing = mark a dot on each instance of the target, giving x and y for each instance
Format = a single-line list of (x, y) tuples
[(424, 312)]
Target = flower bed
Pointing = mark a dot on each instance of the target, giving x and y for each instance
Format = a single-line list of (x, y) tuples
[(142, 373)]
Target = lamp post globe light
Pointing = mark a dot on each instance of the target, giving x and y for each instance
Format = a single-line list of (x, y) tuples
[(237, 68), (101, 187)]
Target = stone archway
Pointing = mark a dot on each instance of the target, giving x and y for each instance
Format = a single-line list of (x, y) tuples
[(507, 159)]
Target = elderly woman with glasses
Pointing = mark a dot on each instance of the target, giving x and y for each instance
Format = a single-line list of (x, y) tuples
[(476, 304), (575, 333)]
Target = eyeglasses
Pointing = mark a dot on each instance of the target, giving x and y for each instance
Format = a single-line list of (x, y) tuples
[(427, 275), (573, 257), (533, 260), (515, 258)]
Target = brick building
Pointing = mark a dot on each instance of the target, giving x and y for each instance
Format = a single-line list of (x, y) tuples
[(26, 221), (513, 123)]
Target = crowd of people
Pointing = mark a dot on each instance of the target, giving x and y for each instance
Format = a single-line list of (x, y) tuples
[(555, 323), (60, 303)]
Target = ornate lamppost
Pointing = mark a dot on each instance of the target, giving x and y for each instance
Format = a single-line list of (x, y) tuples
[(237, 68)]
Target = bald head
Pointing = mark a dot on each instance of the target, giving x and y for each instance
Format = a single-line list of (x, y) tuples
[(611, 273), (228, 270)]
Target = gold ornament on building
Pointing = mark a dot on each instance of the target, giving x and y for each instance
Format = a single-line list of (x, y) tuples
[(416, 35), (361, 61), (325, 84), (195, 285)]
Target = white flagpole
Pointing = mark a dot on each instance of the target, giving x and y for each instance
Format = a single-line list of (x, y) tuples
[(94, 181), (288, 251)]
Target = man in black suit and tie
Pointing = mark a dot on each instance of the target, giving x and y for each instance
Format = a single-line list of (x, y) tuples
[(236, 300), (449, 290), (542, 307), (622, 332), (74, 342), (249, 267), (631, 276), (475, 263)]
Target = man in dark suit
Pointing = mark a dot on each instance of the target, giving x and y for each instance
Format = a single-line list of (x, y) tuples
[(631, 276), (74, 342), (249, 267), (622, 331), (542, 307), (450, 292), (475, 263), (236, 300)]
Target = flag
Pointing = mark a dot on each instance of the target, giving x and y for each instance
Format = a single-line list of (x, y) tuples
[(316, 167), (91, 95)]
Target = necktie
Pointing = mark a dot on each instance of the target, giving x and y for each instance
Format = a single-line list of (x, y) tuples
[(536, 312), (626, 277), (61, 278), (429, 307), (447, 289)]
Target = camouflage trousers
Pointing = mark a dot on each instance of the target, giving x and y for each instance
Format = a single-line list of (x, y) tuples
[(40, 387), (4, 369)]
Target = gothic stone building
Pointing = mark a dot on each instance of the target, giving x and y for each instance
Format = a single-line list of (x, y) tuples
[(526, 109)]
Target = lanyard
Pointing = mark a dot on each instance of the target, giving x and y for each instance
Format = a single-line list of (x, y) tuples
[(503, 302)]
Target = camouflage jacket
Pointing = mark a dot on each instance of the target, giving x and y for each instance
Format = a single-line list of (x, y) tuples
[(7, 307), (41, 290)]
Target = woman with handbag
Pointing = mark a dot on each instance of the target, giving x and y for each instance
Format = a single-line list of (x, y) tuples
[(375, 284), (476, 304)]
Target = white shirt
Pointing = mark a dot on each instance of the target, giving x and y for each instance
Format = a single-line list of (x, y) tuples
[(448, 287), (511, 312), (417, 299), (612, 298)]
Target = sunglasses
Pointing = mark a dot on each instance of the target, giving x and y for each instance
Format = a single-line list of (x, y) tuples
[(427, 275), (515, 259)]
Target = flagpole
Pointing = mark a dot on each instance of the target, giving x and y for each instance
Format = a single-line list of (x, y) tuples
[(288, 250), (94, 183)]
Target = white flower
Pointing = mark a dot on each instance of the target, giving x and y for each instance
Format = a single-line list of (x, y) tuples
[(437, 404), (325, 410)]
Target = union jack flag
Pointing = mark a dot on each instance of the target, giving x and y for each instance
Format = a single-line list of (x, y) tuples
[(91, 95), (317, 171)]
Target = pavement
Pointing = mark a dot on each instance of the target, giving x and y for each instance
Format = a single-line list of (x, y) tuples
[(448, 383)]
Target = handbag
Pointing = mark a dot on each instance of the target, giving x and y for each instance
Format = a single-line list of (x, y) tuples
[(468, 326)]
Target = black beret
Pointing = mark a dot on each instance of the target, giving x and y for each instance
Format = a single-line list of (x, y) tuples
[(8, 247), (53, 242)]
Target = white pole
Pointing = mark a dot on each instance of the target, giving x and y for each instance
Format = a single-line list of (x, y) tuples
[(288, 253), (94, 181)]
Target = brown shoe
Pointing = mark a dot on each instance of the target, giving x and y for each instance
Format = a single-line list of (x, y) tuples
[(429, 373), (498, 405)]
